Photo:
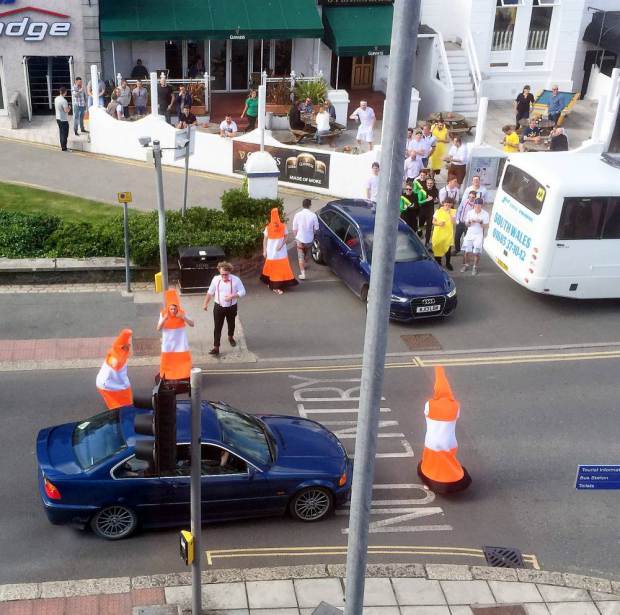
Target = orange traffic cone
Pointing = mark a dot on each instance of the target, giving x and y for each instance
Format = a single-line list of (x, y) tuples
[(439, 468), (176, 359), (112, 380)]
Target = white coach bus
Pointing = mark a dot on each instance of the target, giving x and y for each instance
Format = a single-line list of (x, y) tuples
[(555, 224)]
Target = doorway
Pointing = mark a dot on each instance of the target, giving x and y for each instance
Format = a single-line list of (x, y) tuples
[(230, 63), (362, 72), (46, 75), (606, 60)]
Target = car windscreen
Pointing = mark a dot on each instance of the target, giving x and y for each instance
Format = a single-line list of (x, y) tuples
[(97, 439), (522, 187), (245, 433), (408, 247)]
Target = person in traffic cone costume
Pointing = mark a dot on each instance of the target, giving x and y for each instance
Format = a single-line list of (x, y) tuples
[(439, 468), (112, 380), (277, 272), (176, 359)]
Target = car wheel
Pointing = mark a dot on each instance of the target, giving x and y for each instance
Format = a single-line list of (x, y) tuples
[(316, 253), (311, 504), (114, 522)]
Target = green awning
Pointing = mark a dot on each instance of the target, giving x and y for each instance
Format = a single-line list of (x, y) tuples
[(209, 19), (358, 30)]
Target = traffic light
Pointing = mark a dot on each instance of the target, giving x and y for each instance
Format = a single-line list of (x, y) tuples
[(161, 450)]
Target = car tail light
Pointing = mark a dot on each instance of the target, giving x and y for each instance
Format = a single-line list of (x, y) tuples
[(343, 480), (51, 491)]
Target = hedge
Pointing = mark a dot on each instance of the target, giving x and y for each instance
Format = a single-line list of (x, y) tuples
[(238, 229)]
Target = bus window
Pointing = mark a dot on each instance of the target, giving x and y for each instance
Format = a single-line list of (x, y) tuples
[(581, 218), (611, 226), (524, 188)]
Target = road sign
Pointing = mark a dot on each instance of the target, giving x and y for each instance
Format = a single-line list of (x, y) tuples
[(124, 197), (180, 143), (598, 476)]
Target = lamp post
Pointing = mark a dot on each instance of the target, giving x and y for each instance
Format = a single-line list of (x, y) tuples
[(161, 214)]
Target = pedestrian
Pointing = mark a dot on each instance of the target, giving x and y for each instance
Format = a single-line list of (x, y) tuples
[(559, 140), (412, 167), (555, 106), (477, 187), (442, 239), (124, 98), (408, 208), (421, 148), (322, 124), (112, 381), (197, 69), (251, 110), (442, 139), (277, 272), (164, 98), (463, 209), (228, 128), (79, 105), (100, 93), (294, 116), (183, 99), (522, 104), (176, 359), (305, 225), (430, 143), (457, 157), (114, 108), (427, 210), (225, 289), (139, 71), (409, 143), (186, 118), (451, 189), (140, 96), (372, 183), (510, 140), (477, 222), (331, 110), (61, 107), (366, 117), (307, 106)]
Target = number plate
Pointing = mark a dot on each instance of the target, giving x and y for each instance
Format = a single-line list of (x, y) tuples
[(428, 308), (502, 264)]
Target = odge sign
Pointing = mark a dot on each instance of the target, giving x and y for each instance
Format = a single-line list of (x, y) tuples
[(13, 24)]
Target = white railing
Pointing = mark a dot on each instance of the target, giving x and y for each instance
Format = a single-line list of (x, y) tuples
[(502, 40), (472, 59), (440, 47), (537, 39)]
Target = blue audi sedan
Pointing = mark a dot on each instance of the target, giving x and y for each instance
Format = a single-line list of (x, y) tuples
[(344, 242), (252, 465)]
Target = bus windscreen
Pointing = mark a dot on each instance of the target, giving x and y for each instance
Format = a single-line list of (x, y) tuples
[(522, 187)]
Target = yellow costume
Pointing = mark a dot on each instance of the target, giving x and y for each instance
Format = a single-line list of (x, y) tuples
[(443, 236), (511, 143), (436, 160)]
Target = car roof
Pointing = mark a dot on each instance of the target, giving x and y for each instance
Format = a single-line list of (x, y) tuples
[(361, 211)]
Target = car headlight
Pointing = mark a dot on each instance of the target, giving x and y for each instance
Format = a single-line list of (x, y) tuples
[(451, 293), (397, 299)]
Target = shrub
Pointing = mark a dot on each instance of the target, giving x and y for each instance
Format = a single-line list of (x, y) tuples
[(25, 234), (237, 204), (314, 90)]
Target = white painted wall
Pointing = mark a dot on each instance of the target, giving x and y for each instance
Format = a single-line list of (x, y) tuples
[(379, 79), (599, 85), (434, 95), (448, 16), (303, 56), (122, 55)]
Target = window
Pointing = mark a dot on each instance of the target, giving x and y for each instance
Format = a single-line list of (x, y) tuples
[(352, 239), (611, 224), (97, 439), (256, 56), (282, 62), (524, 189), (217, 461), (540, 22), (505, 17), (134, 468), (338, 225), (581, 218), (408, 247)]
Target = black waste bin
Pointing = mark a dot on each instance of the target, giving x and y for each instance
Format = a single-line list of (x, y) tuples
[(197, 266)]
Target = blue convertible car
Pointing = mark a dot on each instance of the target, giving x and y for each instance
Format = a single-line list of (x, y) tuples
[(252, 465), (344, 241)]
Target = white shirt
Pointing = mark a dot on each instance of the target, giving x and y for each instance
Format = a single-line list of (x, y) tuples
[(449, 192), (409, 145), (429, 140), (481, 193), (226, 127), (219, 288), (305, 224), (322, 121), (366, 116), (459, 154), (413, 167), (372, 184), (476, 229), (61, 107)]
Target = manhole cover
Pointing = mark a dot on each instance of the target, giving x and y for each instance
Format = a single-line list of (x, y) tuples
[(505, 609), (421, 341), (503, 557), (146, 346)]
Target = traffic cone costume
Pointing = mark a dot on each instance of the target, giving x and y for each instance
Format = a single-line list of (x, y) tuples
[(439, 468), (112, 380), (176, 359), (277, 272)]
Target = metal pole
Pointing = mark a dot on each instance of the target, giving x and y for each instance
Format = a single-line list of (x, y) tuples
[(337, 70), (126, 233), (195, 496), (262, 95), (482, 120), (113, 60), (189, 136), (402, 55), (163, 256), (261, 55)]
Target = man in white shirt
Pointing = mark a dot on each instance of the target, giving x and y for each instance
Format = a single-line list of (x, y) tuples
[(305, 225), (372, 183), (61, 107), (225, 290), (457, 157), (477, 187), (409, 142), (451, 189), (429, 141), (477, 221), (228, 128), (366, 117), (322, 124), (413, 166)]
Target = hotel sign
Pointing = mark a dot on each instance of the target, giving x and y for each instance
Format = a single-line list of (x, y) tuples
[(13, 24)]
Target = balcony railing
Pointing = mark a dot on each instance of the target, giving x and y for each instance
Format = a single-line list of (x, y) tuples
[(502, 40), (537, 39)]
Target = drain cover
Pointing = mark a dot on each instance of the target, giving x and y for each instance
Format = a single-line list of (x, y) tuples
[(421, 341), (505, 609), (503, 557), (146, 346)]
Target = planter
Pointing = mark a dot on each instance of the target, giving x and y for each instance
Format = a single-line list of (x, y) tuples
[(199, 110), (277, 109)]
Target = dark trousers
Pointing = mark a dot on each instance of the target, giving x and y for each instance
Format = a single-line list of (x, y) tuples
[(165, 111), (219, 315), (554, 117), (126, 112), (425, 219), (251, 122), (448, 256), (410, 216), (461, 229), (519, 117), (63, 133)]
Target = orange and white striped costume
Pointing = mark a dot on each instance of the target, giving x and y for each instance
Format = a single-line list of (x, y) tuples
[(277, 272), (176, 359), (439, 468), (112, 380)]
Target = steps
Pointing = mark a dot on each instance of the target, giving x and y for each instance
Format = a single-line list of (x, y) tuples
[(465, 101)]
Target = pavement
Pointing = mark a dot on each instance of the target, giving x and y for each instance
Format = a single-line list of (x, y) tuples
[(408, 589)]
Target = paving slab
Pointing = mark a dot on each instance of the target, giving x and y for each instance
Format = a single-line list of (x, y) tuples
[(310, 592), (467, 592), (609, 608), (379, 592), (425, 610), (508, 592), (418, 592), (271, 594), (552, 593), (536, 609), (573, 608)]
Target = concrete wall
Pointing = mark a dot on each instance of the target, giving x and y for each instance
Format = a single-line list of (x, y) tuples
[(434, 95), (449, 16)]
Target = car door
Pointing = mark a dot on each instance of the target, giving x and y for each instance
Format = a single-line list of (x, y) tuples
[(336, 227), (347, 258)]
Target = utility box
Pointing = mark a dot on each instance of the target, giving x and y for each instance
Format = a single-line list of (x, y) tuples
[(197, 266), (340, 100), (262, 171)]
